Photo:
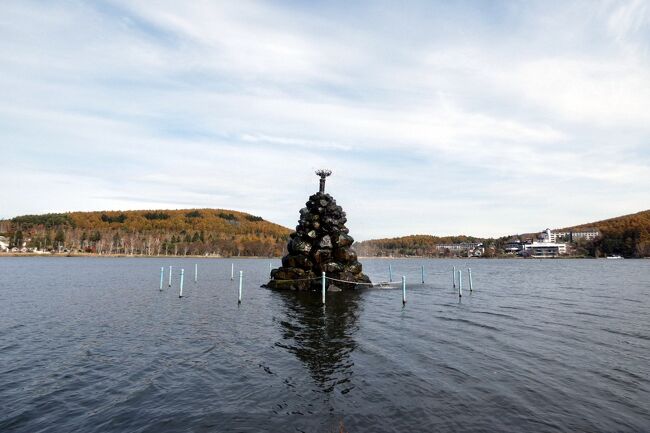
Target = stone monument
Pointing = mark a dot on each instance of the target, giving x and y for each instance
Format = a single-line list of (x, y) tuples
[(321, 243)]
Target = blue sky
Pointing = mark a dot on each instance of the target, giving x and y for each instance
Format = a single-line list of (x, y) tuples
[(484, 118)]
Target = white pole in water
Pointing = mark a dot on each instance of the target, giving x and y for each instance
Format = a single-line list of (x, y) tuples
[(170, 276), (460, 283), (390, 273), (323, 288), (232, 271), (270, 267), (241, 278), (180, 294), (453, 276), (422, 274), (403, 290), (471, 286), (162, 276), (196, 271)]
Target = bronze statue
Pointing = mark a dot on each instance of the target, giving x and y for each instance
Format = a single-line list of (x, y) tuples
[(323, 174)]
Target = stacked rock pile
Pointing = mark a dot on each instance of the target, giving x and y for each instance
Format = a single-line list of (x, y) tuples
[(321, 243)]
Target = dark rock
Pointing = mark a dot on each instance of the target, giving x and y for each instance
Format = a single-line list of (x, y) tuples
[(344, 240), (296, 272), (345, 255), (322, 256), (325, 242), (281, 274), (297, 245), (321, 243), (296, 261), (303, 262), (332, 267), (354, 268)]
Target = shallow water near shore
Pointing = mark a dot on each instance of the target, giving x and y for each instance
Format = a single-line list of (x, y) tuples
[(93, 345)]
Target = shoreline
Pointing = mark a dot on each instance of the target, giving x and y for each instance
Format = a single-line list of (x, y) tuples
[(128, 256)]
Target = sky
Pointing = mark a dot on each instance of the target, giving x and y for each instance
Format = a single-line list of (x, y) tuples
[(483, 118)]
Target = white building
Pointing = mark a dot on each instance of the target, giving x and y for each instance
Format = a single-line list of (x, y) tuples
[(572, 236), (545, 249), (513, 246)]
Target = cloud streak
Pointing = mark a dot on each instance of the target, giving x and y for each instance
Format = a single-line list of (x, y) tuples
[(435, 118)]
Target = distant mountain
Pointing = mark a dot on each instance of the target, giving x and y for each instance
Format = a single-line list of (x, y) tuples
[(149, 232)]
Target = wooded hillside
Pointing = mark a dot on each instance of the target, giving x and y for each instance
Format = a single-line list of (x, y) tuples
[(149, 232), (627, 235), (414, 245), (231, 233)]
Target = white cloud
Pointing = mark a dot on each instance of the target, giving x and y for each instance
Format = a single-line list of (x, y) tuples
[(433, 121)]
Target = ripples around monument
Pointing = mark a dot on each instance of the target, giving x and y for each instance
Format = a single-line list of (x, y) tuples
[(92, 345)]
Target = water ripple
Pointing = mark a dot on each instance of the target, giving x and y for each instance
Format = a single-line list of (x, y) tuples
[(538, 346)]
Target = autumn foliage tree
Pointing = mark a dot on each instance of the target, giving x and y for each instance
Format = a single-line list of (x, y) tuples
[(154, 232)]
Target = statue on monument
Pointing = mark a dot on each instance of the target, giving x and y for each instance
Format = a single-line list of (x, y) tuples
[(323, 175), (321, 243)]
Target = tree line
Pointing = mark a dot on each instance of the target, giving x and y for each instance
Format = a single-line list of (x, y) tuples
[(413, 245), (627, 236), (159, 232), (232, 233)]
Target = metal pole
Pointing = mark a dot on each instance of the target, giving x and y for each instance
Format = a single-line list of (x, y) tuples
[(390, 273), (180, 294), (471, 285), (232, 271), (196, 271), (453, 276), (170, 276), (460, 283), (241, 278), (162, 276), (323, 288), (403, 290), (422, 274), (270, 267)]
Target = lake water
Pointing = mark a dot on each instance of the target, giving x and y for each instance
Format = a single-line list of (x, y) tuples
[(92, 345)]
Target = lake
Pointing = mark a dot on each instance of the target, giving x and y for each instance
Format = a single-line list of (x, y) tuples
[(93, 345)]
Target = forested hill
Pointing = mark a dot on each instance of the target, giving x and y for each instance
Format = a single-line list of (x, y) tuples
[(627, 235), (414, 245), (149, 232)]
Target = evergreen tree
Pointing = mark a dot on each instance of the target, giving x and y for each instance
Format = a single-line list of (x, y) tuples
[(59, 238)]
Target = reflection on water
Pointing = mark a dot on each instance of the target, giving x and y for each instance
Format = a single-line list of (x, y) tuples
[(322, 337)]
